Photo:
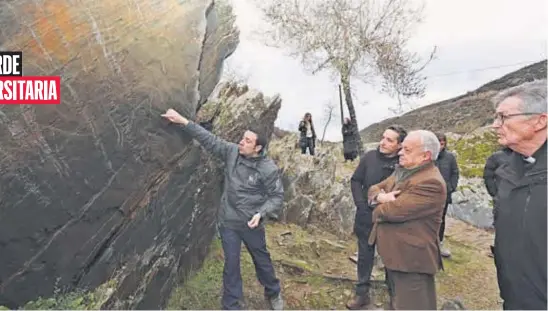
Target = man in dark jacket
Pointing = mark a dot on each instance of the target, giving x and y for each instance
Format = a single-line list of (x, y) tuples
[(490, 179), (374, 167), (520, 230), (350, 146), (447, 164), (252, 190)]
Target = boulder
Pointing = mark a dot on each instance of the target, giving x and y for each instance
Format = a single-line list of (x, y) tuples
[(317, 188), (100, 189)]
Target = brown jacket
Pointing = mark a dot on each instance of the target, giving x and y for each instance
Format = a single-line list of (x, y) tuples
[(406, 230)]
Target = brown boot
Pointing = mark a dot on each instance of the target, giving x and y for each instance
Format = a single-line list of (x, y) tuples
[(358, 303)]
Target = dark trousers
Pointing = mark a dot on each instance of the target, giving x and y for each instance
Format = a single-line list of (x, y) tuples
[(255, 242), (412, 291), (442, 226), (366, 261), (309, 143), (349, 156)]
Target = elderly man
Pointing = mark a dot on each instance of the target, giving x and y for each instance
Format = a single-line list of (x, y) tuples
[(407, 216), (520, 228), (375, 166)]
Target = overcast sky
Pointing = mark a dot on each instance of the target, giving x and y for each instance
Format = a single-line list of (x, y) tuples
[(469, 34)]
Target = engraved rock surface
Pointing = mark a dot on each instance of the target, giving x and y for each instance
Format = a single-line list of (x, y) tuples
[(100, 188)]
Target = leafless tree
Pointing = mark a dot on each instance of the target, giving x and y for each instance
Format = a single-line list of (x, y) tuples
[(404, 84), (328, 115), (353, 39)]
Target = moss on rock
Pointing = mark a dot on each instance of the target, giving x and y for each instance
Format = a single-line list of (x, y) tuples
[(473, 150), (76, 300)]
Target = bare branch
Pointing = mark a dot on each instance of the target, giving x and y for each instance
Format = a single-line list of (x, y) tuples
[(329, 114)]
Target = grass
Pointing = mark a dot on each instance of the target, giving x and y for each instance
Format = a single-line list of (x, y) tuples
[(76, 300), (469, 276), (315, 273), (299, 259)]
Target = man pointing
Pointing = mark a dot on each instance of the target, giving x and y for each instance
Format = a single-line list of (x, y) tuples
[(252, 190)]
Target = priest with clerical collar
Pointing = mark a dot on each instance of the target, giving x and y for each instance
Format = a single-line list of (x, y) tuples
[(520, 226)]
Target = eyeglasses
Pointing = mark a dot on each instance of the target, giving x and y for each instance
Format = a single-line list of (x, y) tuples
[(500, 117)]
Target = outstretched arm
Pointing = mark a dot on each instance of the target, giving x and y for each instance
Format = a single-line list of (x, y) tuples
[(212, 143)]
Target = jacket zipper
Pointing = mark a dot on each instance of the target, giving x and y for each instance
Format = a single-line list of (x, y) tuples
[(528, 196), (525, 208)]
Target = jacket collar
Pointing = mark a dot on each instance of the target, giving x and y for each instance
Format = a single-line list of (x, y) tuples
[(385, 157)]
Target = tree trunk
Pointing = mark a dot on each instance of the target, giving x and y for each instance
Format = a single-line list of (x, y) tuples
[(345, 81)]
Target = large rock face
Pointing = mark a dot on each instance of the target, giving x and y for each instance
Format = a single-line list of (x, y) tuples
[(100, 188)]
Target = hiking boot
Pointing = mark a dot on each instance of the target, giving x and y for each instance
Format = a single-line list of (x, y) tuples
[(444, 251), (359, 302), (276, 302)]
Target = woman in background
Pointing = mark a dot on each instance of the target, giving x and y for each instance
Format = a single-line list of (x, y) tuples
[(308, 134)]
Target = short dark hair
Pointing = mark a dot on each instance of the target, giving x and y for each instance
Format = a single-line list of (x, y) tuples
[(261, 140), (441, 136), (402, 133)]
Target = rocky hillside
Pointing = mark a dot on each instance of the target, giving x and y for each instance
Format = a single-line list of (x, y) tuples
[(461, 114)]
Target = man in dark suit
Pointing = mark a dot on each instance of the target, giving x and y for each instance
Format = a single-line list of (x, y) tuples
[(449, 169), (408, 208)]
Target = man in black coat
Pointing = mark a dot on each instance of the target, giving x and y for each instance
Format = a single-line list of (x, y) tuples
[(490, 179), (449, 169), (520, 229), (350, 146), (375, 166)]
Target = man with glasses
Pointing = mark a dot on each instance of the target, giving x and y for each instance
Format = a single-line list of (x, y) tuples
[(520, 228)]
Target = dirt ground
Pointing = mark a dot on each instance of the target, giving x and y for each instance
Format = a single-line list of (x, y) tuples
[(316, 273)]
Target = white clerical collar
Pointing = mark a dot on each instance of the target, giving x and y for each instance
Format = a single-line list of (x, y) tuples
[(530, 160)]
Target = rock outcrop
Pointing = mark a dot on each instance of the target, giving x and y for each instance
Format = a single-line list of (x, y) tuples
[(317, 189), (471, 202), (100, 189)]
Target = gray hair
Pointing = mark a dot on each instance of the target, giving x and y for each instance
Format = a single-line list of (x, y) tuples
[(429, 141), (532, 94)]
